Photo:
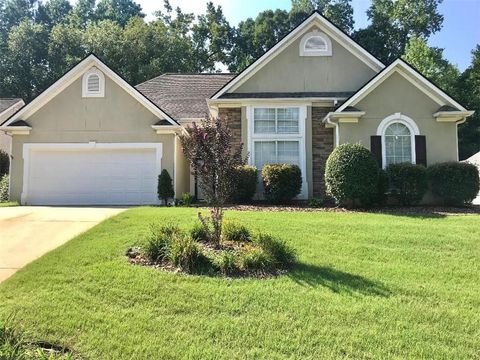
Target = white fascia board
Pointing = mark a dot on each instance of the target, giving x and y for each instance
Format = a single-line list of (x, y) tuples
[(399, 66), (16, 130), (73, 75), (314, 19), (347, 114)]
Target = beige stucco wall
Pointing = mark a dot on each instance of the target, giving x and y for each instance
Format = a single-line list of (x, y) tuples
[(69, 118), (396, 94), (290, 72)]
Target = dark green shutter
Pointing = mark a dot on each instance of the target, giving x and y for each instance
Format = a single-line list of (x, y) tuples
[(376, 148), (421, 150)]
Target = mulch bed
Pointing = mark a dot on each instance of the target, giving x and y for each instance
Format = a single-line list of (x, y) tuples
[(393, 210)]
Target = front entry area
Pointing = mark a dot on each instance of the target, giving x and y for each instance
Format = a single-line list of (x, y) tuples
[(91, 174)]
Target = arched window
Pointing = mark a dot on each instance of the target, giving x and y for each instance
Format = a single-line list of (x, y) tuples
[(398, 139), (315, 43), (93, 84)]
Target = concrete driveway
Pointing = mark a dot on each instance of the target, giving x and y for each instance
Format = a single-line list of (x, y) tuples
[(28, 232)]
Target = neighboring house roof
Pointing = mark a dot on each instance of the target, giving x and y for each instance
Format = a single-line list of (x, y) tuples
[(73, 74), (316, 18), (271, 95), (413, 76), (184, 95), (474, 159), (7, 103)]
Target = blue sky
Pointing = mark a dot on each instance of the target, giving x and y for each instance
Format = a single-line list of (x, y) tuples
[(459, 35)]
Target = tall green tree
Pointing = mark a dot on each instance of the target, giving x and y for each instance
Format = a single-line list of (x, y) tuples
[(431, 63), (53, 12), (468, 93), (119, 11), (394, 22), (340, 12)]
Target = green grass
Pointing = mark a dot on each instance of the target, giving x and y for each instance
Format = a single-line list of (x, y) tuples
[(8, 204), (368, 286)]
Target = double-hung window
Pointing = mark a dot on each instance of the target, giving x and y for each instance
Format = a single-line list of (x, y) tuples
[(276, 136)]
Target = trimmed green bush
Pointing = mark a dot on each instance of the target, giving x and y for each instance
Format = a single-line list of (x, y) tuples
[(408, 181), (281, 254), (314, 202), (351, 175), (4, 163), (382, 187), (165, 187), (281, 182), (456, 183), (245, 183), (234, 231), (4, 180)]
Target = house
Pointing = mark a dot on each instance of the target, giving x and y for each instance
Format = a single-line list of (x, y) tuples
[(8, 106), (475, 160), (92, 138)]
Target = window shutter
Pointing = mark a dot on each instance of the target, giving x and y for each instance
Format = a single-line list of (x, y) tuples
[(421, 150), (376, 148)]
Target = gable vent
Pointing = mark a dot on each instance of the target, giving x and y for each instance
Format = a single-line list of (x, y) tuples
[(93, 83)]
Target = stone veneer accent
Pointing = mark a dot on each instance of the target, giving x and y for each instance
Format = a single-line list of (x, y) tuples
[(233, 117), (322, 146)]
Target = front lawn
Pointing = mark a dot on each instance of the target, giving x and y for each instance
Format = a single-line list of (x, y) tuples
[(8, 204), (368, 286)]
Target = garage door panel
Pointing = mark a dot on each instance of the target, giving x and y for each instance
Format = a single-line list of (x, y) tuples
[(93, 176)]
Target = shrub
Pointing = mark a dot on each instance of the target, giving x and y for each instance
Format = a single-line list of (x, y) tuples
[(456, 183), (382, 187), (314, 202), (256, 259), (227, 263), (245, 183), (165, 187), (187, 199), (351, 175), (159, 241), (199, 232), (277, 249), (4, 163), (282, 182), (234, 231), (4, 188), (187, 255), (408, 181)]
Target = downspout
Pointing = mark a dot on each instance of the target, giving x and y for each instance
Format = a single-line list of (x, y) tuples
[(337, 130)]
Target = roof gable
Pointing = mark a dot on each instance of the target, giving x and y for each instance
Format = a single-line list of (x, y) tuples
[(408, 72), (73, 74), (322, 23)]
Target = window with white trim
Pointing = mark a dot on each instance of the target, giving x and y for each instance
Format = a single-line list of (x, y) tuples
[(398, 144), (276, 152), (93, 83), (315, 43), (276, 120)]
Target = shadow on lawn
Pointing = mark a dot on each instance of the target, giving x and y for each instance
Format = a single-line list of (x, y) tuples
[(336, 280)]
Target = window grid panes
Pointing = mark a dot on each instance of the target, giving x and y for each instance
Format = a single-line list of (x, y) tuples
[(315, 43), (398, 144), (276, 152), (276, 120)]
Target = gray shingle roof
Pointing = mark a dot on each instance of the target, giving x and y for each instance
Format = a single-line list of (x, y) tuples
[(183, 95), (447, 108), (5, 103), (270, 95)]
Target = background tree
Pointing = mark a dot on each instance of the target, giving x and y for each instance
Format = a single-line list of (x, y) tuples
[(213, 160), (340, 12), (431, 63), (394, 22), (468, 93)]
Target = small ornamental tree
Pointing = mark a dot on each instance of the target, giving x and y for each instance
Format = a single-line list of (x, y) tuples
[(165, 187), (213, 160)]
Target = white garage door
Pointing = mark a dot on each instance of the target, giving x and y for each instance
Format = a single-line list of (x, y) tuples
[(91, 174)]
